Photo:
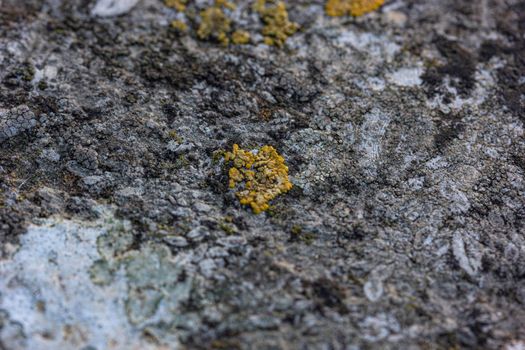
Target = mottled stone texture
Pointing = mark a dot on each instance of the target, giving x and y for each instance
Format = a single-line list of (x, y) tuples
[(402, 131)]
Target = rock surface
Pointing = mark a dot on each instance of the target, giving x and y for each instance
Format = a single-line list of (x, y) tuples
[(402, 131)]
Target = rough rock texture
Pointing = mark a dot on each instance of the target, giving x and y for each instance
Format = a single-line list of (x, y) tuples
[(403, 133)]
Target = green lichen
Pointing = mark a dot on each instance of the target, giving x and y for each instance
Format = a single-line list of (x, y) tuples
[(131, 98), (117, 241), (181, 162), (28, 72), (296, 230), (101, 272), (298, 234), (153, 276), (218, 155), (42, 85), (175, 136), (226, 225)]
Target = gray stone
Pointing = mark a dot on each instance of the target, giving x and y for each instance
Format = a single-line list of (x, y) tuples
[(402, 131)]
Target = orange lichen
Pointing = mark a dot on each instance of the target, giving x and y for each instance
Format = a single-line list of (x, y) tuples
[(354, 7), (277, 25), (260, 176)]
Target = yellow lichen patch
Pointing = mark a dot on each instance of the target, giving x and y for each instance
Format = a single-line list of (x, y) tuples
[(179, 5), (361, 7), (179, 26), (259, 175), (337, 8), (354, 7), (240, 37), (225, 4), (277, 26), (215, 23)]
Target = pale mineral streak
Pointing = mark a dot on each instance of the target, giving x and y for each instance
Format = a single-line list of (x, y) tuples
[(108, 8)]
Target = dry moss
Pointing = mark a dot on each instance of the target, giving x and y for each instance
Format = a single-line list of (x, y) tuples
[(277, 26), (354, 7), (259, 175)]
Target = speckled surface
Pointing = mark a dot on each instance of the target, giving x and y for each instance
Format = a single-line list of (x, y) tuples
[(402, 131)]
